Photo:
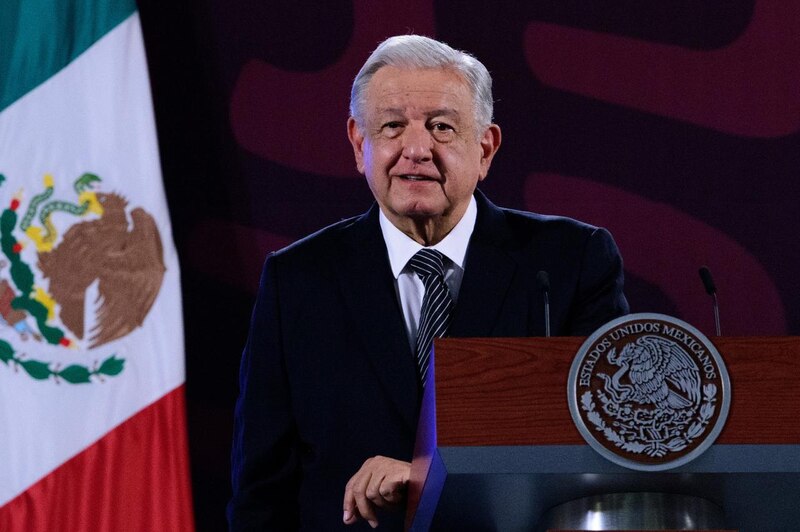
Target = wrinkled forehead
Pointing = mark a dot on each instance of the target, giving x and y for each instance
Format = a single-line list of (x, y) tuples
[(417, 75), (393, 87)]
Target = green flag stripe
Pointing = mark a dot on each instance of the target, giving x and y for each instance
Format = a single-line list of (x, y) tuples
[(40, 37)]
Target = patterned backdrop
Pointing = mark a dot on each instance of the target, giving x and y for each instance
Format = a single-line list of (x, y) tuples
[(675, 125)]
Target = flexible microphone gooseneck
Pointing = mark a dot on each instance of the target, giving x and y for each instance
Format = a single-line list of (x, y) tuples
[(544, 282), (711, 289)]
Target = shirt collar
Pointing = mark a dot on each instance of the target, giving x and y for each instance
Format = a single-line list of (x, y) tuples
[(454, 246)]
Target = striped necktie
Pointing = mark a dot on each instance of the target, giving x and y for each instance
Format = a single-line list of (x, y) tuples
[(437, 305)]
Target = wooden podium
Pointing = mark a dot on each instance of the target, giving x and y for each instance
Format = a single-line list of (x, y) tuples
[(497, 446)]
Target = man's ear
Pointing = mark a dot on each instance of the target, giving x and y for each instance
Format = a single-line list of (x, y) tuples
[(357, 141), (490, 143)]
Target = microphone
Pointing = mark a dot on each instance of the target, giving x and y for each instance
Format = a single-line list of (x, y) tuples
[(708, 282), (544, 282)]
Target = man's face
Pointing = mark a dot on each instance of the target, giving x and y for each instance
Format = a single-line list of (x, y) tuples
[(420, 148)]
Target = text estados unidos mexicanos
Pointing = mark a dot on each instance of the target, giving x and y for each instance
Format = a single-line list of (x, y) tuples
[(681, 336)]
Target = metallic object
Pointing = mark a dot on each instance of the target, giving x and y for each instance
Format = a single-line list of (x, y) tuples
[(634, 511)]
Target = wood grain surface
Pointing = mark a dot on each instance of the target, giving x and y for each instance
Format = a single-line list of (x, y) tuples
[(513, 391)]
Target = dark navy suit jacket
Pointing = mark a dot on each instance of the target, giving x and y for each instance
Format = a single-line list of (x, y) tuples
[(328, 378)]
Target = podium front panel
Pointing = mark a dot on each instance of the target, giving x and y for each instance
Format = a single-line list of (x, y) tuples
[(505, 448)]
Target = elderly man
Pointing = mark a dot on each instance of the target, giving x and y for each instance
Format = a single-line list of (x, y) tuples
[(337, 356)]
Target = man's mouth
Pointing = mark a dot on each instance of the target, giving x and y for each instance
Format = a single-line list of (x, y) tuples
[(411, 177)]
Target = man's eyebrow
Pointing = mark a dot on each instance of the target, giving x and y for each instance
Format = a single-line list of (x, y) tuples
[(445, 111)]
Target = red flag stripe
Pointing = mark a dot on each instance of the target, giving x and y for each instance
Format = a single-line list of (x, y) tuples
[(134, 478)]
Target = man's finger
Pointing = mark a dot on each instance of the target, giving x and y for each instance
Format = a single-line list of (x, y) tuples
[(365, 507), (393, 492), (356, 504), (351, 514), (373, 491), (379, 483)]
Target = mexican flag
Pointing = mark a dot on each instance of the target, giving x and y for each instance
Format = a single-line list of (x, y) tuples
[(92, 413)]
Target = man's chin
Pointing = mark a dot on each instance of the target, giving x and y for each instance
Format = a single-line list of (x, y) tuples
[(418, 212), (422, 214)]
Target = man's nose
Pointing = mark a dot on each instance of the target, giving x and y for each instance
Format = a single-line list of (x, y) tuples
[(417, 143)]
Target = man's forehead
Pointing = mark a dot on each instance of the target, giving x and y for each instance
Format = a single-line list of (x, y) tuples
[(390, 79), (432, 90), (432, 112)]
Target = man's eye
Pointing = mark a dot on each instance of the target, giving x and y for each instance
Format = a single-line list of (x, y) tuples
[(391, 130), (441, 126)]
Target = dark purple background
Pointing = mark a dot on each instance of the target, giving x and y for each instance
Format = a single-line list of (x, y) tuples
[(673, 124)]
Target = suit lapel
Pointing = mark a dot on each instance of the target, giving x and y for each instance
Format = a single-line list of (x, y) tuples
[(369, 293), (488, 274)]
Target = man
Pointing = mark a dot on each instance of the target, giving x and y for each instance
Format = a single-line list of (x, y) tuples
[(332, 371)]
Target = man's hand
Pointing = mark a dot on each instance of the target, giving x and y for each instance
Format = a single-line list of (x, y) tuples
[(380, 483)]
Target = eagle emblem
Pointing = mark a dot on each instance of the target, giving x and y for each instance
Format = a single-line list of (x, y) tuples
[(649, 391), (659, 372), (77, 273)]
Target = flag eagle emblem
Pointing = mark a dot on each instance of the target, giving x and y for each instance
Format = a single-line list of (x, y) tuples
[(92, 245)]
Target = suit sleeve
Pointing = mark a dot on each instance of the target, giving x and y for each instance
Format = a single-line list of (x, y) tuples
[(264, 458), (599, 297)]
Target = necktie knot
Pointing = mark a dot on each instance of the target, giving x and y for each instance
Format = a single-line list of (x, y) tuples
[(427, 262)]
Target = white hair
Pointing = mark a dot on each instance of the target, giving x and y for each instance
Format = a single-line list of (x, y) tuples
[(416, 51)]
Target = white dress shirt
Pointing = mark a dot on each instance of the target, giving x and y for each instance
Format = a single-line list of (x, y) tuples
[(408, 285)]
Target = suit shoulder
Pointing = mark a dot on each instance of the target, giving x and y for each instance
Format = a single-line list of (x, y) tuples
[(526, 224), (320, 243)]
